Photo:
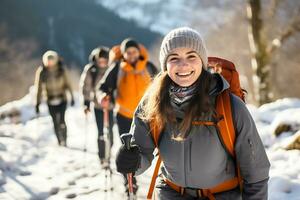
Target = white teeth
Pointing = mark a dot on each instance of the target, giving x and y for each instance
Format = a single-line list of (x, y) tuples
[(184, 73)]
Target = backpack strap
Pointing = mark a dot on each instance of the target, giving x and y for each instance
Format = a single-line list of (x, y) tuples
[(225, 124), (153, 178), (155, 132), (226, 128)]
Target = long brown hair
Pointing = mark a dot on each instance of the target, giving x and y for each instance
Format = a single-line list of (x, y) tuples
[(156, 106)]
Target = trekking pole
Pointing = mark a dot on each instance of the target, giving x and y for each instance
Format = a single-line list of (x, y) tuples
[(37, 124), (126, 139), (85, 132), (85, 140), (107, 149), (106, 135)]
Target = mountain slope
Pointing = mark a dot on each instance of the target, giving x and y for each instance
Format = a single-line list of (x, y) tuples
[(72, 27), (162, 15)]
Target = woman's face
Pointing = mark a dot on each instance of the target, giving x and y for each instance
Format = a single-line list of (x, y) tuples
[(184, 66), (132, 55), (102, 62), (51, 62)]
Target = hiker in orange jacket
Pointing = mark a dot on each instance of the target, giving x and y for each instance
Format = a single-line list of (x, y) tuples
[(178, 115), (126, 81)]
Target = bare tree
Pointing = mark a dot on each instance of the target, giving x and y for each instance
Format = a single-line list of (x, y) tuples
[(262, 49)]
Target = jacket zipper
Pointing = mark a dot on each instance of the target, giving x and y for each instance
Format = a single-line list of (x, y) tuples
[(251, 148), (184, 164)]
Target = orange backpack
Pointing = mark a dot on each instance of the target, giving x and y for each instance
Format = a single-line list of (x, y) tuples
[(224, 125), (116, 55), (228, 70)]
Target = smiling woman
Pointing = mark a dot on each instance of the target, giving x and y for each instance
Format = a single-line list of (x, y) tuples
[(184, 66), (204, 155)]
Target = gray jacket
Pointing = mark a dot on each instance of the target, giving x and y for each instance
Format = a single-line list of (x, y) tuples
[(90, 76), (200, 161)]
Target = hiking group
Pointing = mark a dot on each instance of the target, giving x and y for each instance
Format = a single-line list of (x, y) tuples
[(190, 115)]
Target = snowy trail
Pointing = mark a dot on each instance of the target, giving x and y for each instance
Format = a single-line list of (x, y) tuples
[(33, 166), (36, 168)]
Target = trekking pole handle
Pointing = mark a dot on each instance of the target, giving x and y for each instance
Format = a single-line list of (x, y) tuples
[(126, 140)]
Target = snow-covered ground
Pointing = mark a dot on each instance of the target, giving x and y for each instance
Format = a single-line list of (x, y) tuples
[(34, 167), (284, 183)]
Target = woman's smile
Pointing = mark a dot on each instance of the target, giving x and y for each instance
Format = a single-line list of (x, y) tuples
[(185, 74)]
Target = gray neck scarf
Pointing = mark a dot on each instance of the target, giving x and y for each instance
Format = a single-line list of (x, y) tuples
[(179, 94)]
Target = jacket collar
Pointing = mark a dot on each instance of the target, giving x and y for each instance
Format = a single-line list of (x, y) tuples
[(219, 84)]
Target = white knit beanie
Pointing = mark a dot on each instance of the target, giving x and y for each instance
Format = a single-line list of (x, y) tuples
[(48, 54), (182, 37)]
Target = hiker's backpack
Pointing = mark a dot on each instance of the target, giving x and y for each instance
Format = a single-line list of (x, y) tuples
[(115, 54), (224, 125), (228, 70)]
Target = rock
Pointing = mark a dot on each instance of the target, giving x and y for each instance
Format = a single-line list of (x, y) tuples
[(295, 144), (54, 191), (71, 196), (72, 183), (282, 128), (25, 173)]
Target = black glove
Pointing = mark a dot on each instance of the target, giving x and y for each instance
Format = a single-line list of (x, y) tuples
[(128, 160), (72, 102), (37, 109)]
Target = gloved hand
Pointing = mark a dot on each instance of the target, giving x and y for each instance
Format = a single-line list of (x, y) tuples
[(72, 102), (105, 101), (87, 106), (128, 160), (37, 109)]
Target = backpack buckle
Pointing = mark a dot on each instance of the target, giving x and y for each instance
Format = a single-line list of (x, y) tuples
[(218, 118)]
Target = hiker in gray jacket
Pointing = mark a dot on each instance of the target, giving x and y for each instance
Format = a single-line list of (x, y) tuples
[(195, 161), (91, 75)]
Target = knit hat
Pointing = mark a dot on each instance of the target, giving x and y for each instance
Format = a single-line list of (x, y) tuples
[(182, 37), (93, 54), (99, 52), (129, 42), (103, 52), (50, 55)]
